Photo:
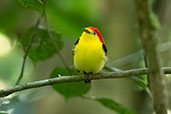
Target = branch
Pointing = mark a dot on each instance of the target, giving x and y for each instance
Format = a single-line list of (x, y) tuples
[(78, 78), (150, 44)]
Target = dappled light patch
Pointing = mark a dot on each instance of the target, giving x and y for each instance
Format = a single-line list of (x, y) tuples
[(5, 45)]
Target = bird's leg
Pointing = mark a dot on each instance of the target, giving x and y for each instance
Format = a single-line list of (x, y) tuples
[(87, 77)]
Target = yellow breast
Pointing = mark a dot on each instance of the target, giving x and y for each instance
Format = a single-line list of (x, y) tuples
[(89, 55)]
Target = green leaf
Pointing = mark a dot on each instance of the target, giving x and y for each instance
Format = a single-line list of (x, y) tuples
[(72, 89), (33, 4), (43, 46), (141, 82), (109, 103)]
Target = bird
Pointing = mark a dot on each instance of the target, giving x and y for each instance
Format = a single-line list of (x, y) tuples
[(90, 52)]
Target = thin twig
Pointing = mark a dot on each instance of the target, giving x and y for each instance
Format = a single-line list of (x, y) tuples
[(78, 78), (29, 45), (27, 51)]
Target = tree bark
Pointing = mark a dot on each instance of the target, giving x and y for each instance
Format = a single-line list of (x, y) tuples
[(150, 43)]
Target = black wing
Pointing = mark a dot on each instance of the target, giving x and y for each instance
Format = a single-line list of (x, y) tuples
[(77, 41), (75, 45), (105, 49)]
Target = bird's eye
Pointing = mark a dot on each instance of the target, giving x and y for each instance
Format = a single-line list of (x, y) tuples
[(94, 33)]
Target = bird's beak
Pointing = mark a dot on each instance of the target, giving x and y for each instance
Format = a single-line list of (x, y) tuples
[(85, 30)]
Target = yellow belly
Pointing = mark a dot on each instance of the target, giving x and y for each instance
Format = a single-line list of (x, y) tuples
[(89, 57)]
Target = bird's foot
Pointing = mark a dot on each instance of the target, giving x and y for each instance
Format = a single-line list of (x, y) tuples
[(87, 77)]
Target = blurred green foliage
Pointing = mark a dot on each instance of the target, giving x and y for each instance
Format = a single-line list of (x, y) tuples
[(70, 16), (8, 15)]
